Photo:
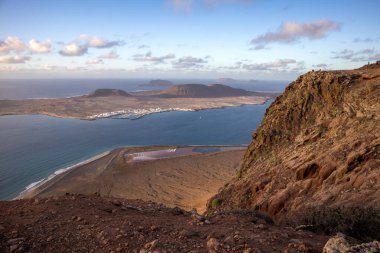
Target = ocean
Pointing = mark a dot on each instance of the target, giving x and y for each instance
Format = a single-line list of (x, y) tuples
[(57, 88), (33, 147)]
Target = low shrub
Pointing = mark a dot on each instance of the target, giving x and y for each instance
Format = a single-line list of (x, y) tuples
[(359, 222), (215, 203)]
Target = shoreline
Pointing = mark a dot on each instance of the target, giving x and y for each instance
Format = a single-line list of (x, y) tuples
[(60, 172), (133, 108), (125, 114), (35, 188)]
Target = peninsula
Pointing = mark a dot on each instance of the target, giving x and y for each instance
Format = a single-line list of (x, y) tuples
[(105, 103)]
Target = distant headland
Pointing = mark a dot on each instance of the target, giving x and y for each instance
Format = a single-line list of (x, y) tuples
[(105, 103)]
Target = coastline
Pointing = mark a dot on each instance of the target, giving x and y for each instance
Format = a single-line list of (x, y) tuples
[(139, 113), (58, 173), (120, 108), (86, 177)]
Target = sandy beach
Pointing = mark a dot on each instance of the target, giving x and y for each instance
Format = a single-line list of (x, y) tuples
[(186, 181)]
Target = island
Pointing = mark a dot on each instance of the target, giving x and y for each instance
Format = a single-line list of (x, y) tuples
[(106, 103)]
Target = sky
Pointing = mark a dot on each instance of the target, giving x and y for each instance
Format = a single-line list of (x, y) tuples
[(240, 39)]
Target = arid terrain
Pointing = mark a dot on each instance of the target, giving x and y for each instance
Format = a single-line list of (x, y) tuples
[(77, 223), (185, 181), (316, 151), (109, 102), (310, 174)]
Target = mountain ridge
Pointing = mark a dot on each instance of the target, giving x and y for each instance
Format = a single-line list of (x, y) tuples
[(108, 93), (317, 147)]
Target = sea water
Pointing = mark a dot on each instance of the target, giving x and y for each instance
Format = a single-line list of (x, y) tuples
[(58, 88), (34, 147)]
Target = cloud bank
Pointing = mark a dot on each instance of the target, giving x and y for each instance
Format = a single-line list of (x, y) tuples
[(189, 62), (81, 46), (11, 44), (14, 59), (290, 32), (275, 65), (148, 57), (39, 47), (96, 42), (364, 55), (73, 49)]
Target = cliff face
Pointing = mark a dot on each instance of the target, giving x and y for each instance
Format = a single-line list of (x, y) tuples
[(317, 146)]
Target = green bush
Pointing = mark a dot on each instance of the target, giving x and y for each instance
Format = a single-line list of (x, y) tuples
[(215, 203)]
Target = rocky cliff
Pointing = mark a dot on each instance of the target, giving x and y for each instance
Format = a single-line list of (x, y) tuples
[(317, 147)]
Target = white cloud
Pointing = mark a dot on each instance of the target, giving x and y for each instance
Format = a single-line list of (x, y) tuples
[(275, 65), (189, 62), (111, 55), (40, 47), (11, 44), (14, 59), (96, 42), (73, 49), (321, 66), (364, 55), (148, 57), (94, 61), (291, 31)]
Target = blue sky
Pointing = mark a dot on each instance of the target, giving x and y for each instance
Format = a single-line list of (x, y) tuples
[(241, 39)]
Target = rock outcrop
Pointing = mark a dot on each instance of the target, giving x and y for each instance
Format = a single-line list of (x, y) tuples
[(318, 146), (340, 244)]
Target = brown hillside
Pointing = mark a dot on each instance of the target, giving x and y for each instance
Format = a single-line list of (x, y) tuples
[(200, 90), (108, 92), (77, 223), (317, 147)]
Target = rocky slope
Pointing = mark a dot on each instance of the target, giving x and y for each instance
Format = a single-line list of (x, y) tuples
[(316, 148), (77, 223)]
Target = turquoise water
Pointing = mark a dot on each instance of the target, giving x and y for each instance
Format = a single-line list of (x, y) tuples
[(32, 147)]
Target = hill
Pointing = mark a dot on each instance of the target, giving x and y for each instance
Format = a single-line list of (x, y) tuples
[(315, 157), (201, 91), (108, 93)]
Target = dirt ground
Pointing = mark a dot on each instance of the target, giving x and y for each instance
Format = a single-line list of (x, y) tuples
[(78, 223), (187, 181)]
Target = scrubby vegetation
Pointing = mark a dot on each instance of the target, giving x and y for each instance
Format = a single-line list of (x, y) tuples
[(215, 203), (359, 222)]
